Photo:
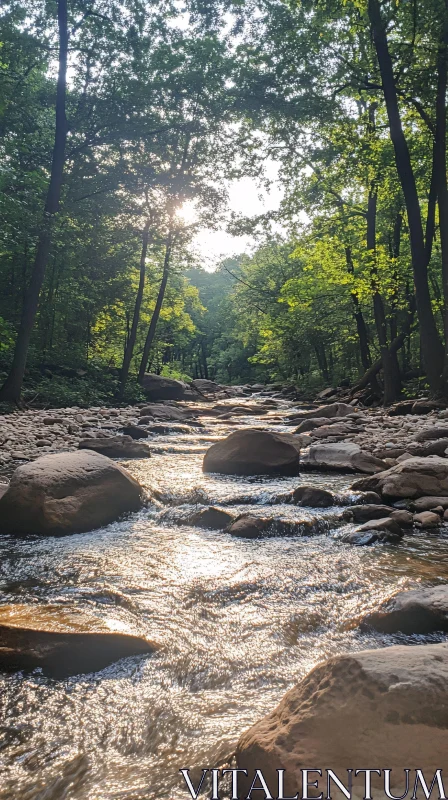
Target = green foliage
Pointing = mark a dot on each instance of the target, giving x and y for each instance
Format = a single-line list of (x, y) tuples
[(161, 113)]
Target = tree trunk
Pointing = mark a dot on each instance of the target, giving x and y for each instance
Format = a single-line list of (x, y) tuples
[(361, 327), (12, 388), (392, 383), (321, 360), (393, 348), (129, 351), (156, 312), (204, 360), (440, 172), (432, 349)]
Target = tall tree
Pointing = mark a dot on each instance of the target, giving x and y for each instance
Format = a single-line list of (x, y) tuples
[(432, 349), (12, 388)]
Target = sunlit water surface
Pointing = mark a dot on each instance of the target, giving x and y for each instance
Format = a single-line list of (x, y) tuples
[(239, 623)]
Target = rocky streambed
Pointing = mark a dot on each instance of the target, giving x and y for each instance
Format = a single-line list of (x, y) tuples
[(234, 621)]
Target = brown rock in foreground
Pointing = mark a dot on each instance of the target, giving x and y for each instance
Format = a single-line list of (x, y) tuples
[(386, 707), (61, 641), (415, 611), (66, 493), (254, 452)]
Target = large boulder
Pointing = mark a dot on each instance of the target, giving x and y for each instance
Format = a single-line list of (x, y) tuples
[(415, 477), (254, 452), (344, 456), (61, 641), (155, 387), (415, 611), (383, 708), (66, 493), (117, 447)]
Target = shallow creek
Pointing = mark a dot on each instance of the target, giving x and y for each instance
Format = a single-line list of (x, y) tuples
[(239, 623)]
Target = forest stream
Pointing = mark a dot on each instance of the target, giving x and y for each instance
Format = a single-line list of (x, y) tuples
[(238, 621)]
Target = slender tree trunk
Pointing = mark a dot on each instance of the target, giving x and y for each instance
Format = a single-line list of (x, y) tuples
[(129, 351), (321, 360), (361, 327), (12, 388), (432, 349), (204, 360), (378, 305), (156, 312), (393, 324), (440, 160)]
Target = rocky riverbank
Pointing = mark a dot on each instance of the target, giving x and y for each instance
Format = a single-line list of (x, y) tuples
[(256, 554), (26, 435)]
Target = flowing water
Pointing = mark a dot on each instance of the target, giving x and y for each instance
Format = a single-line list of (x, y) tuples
[(239, 622)]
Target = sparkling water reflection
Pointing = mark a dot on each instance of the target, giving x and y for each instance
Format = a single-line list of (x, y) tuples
[(239, 622)]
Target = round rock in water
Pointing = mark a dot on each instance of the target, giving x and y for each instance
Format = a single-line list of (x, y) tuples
[(66, 493), (254, 452), (415, 611)]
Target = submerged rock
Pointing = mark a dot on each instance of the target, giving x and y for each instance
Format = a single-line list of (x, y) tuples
[(249, 527), (382, 524), (384, 529), (313, 497), (254, 452), (67, 493), (344, 457), (415, 611), (211, 517), (380, 707), (117, 447), (367, 537), (61, 641), (252, 527)]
